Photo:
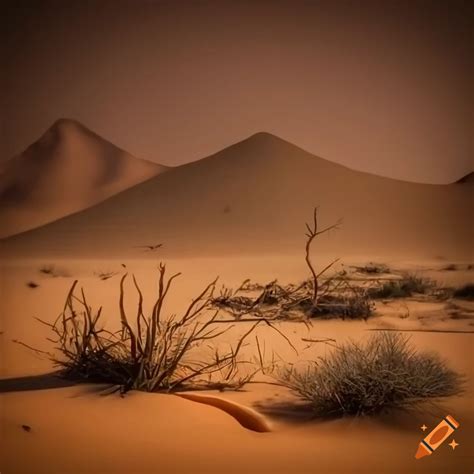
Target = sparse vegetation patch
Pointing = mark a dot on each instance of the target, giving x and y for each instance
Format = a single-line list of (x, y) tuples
[(408, 285), (317, 297), (465, 292), (365, 379), (373, 268), (150, 352)]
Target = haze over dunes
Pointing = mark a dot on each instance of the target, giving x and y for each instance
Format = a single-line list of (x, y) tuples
[(68, 169), (254, 197)]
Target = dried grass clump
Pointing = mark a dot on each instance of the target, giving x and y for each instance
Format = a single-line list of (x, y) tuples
[(366, 379), (152, 353), (52, 271), (268, 303), (373, 268), (465, 292), (452, 267), (337, 298), (47, 270), (332, 297), (356, 305), (230, 300), (408, 285)]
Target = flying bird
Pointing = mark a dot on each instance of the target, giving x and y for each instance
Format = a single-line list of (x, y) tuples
[(105, 275), (150, 248)]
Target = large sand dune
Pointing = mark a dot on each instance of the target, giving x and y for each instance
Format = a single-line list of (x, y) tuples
[(254, 197), (68, 169)]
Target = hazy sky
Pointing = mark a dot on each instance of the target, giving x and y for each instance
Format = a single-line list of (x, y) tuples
[(382, 86)]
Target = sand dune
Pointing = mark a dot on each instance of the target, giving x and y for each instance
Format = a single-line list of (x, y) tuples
[(468, 179), (68, 169), (254, 197)]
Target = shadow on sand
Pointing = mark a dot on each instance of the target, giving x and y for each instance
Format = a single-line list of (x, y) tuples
[(35, 382), (289, 412)]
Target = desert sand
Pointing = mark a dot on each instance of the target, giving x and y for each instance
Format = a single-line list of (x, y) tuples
[(68, 169), (78, 429)]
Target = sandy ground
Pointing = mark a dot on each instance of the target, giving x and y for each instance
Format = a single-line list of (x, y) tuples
[(78, 429)]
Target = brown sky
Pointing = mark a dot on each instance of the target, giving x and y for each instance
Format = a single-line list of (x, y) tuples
[(381, 86)]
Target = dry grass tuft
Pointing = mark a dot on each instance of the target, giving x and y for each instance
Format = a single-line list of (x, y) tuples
[(337, 298), (408, 285), (354, 305), (52, 271), (452, 267), (373, 268), (464, 292), (365, 379)]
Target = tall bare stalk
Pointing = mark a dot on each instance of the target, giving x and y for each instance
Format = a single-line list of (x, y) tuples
[(311, 234)]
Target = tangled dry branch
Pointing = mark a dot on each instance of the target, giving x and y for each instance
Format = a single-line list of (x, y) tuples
[(149, 352)]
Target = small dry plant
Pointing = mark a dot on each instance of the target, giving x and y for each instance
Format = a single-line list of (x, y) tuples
[(364, 379), (464, 292), (149, 352), (407, 285), (372, 268), (313, 231)]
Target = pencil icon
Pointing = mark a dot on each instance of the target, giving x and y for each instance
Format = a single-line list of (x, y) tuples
[(436, 437)]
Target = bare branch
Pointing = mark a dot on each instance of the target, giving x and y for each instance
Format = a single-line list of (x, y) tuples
[(312, 233)]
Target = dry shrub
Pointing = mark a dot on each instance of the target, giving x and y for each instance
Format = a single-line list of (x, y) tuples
[(365, 379), (337, 298), (356, 305), (152, 353), (464, 292), (373, 268), (408, 285), (452, 267), (53, 271), (333, 297)]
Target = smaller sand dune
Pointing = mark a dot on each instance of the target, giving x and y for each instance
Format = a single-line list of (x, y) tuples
[(68, 169), (253, 198)]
